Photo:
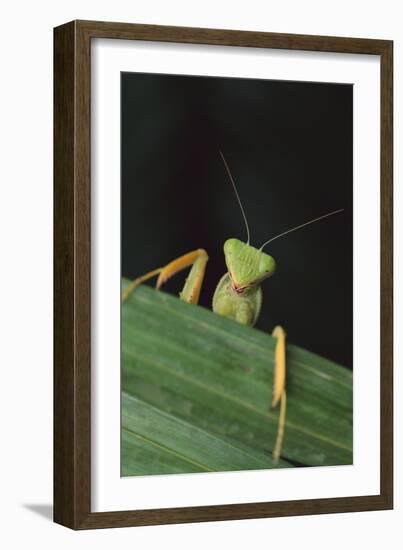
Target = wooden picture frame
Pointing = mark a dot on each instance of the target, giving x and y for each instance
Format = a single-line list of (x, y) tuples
[(72, 272)]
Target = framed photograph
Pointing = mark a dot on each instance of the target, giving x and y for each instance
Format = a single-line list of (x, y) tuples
[(222, 275)]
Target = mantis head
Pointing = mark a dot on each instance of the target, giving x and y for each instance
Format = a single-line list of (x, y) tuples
[(247, 265)]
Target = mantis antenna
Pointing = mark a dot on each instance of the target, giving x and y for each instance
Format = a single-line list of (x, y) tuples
[(300, 226), (237, 196)]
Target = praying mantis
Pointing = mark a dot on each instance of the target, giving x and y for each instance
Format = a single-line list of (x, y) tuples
[(238, 294)]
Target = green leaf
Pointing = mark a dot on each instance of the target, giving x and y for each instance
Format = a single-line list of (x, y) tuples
[(197, 391)]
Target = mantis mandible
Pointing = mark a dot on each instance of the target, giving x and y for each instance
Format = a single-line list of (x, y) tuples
[(238, 294)]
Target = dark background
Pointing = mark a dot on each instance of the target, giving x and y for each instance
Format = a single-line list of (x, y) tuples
[(289, 148)]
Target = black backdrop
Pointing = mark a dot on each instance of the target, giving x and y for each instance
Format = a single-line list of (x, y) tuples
[(289, 148)]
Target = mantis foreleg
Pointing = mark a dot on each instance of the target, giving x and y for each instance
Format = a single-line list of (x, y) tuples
[(279, 393), (191, 291)]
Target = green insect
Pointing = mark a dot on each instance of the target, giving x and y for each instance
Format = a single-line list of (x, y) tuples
[(238, 294)]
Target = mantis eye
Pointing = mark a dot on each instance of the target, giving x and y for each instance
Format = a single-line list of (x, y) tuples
[(267, 265)]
